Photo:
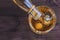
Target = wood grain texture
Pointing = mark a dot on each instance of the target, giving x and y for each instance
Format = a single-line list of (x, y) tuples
[(14, 23)]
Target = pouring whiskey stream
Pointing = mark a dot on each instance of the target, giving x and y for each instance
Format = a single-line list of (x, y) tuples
[(42, 19)]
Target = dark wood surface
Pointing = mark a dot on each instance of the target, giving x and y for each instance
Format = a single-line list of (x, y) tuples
[(14, 22)]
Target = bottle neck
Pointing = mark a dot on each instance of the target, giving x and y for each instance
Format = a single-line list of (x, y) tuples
[(32, 8)]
